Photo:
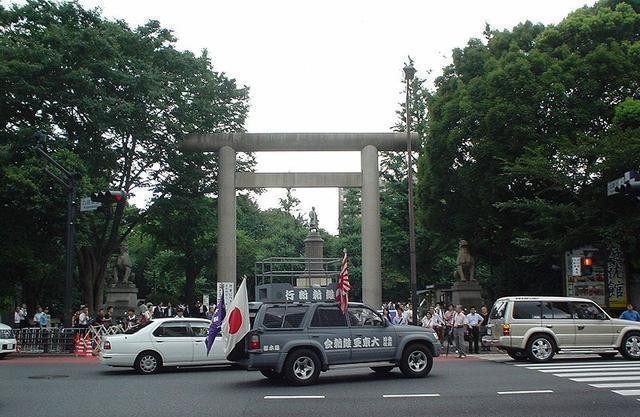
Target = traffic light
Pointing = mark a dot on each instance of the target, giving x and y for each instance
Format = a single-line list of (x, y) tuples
[(587, 265), (109, 197)]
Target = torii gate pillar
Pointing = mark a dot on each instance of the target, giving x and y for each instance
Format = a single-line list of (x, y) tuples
[(226, 144)]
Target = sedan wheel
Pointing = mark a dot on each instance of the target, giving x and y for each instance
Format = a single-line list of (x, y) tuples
[(148, 363), (541, 349), (630, 348)]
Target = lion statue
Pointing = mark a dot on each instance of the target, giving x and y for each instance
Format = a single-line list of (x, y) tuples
[(122, 267), (465, 265)]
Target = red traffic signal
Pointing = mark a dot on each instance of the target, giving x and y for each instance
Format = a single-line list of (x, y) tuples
[(109, 197)]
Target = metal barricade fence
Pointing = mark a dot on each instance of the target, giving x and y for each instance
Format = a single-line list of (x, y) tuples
[(61, 340)]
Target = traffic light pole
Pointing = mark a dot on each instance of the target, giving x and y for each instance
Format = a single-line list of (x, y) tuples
[(71, 184), (69, 261)]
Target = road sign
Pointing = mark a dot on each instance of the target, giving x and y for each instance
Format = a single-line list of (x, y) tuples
[(87, 205)]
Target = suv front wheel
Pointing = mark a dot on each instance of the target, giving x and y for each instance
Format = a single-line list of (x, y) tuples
[(540, 348), (630, 347), (302, 367), (416, 361)]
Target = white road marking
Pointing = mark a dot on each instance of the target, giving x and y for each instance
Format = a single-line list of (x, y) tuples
[(607, 378), (628, 392), (613, 368), (612, 365), (408, 395), (571, 363), (293, 397), (574, 374), (621, 385), (542, 391)]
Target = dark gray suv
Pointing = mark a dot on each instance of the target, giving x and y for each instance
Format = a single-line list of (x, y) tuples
[(297, 341)]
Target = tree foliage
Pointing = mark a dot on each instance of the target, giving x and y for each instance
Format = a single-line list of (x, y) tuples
[(525, 130), (119, 100)]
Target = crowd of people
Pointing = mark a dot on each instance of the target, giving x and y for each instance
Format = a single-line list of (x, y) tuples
[(82, 318), (141, 314), (455, 326)]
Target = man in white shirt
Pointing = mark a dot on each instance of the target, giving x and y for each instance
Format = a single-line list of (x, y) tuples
[(474, 320), (459, 325), (83, 320), (17, 317)]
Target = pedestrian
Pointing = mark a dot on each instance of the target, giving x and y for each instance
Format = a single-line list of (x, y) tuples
[(130, 320), (459, 326), (170, 311), (159, 311), (36, 317), (44, 319), (179, 313), (145, 315), (408, 314), (84, 318), (474, 320), (108, 317), (447, 317), (428, 321), (484, 312), (24, 321), (17, 317), (200, 310), (399, 319), (385, 313), (100, 319), (630, 314)]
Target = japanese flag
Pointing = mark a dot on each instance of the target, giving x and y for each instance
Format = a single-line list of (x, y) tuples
[(236, 324)]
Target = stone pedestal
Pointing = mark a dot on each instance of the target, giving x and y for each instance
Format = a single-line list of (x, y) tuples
[(314, 273), (467, 293), (121, 297)]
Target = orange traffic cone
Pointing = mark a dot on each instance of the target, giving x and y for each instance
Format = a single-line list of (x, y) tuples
[(78, 345), (87, 348)]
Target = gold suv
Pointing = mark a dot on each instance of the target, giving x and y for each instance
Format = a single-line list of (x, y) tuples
[(536, 328)]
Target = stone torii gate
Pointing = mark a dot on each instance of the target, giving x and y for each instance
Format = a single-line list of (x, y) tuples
[(227, 144)]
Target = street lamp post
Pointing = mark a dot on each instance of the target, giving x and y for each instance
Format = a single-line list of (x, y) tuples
[(409, 73), (71, 184)]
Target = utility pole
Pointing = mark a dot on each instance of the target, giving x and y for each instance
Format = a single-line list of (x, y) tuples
[(70, 181), (409, 73)]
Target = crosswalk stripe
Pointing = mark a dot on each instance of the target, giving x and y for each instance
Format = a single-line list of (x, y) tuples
[(613, 368), (572, 363), (572, 374), (607, 378), (620, 385), (628, 392), (614, 364)]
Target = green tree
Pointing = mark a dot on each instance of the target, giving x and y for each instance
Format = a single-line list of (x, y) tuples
[(520, 138), (120, 99)]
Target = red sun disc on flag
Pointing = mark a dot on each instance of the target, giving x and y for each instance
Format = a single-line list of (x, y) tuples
[(235, 321)]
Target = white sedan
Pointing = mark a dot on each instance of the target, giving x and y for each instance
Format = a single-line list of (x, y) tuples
[(7, 340), (162, 342)]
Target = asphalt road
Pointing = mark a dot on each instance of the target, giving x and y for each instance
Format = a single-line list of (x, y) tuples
[(494, 386)]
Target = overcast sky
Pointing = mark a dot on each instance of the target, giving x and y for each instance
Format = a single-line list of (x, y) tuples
[(327, 66)]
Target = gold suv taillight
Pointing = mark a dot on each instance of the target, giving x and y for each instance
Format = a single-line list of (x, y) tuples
[(506, 330)]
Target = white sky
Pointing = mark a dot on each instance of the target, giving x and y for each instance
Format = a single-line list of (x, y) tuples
[(327, 66)]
